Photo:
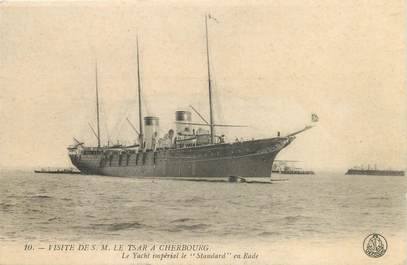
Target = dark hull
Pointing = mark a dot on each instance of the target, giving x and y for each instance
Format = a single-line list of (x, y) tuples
[(246, 159), (375, 172), (56, 172)]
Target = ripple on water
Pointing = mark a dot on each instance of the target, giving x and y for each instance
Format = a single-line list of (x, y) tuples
[(6, 206), (40, 197), (182, 220), (378, 198), (293, 218), (118, 226), (268, 234), (192, 227), (194, 199)]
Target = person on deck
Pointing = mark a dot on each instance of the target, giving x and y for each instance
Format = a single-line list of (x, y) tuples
[(154, 141)]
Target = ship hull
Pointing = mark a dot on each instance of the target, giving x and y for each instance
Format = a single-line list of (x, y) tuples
[(243, 159), (374, 172)]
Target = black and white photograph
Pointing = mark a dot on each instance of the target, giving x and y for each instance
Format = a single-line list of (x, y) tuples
[(203, 132)]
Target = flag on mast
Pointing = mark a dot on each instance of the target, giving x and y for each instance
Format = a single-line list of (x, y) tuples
[(314, 117), (212, 17)]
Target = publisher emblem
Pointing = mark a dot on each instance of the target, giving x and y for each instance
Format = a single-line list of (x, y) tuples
[(375, 245)]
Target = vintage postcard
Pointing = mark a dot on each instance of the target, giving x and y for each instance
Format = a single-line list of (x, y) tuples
[(203, 132)]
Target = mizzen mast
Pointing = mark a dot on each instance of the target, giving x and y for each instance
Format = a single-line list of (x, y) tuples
[(97, 103), (209, 83), (141, 136)]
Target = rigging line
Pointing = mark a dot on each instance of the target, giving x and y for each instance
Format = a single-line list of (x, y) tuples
[(215, 125), (93, 130), (105, 121), (200, 116), (132, 126), (123, 111)]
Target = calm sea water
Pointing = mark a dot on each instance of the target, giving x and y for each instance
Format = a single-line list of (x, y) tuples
[(76, 207)]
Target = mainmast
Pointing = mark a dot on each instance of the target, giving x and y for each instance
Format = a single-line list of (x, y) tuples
[(141, 136), (97, 103), (209, 83)]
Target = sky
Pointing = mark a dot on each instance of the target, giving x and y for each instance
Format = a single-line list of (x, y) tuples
[(273, 63)]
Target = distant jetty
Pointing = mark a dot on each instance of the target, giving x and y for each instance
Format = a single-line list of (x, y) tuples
[(57, 171), (374, 172), (288, 167), (295, 171)]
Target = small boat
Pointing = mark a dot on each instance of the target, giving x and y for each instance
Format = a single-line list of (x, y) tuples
[(57, 171)]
